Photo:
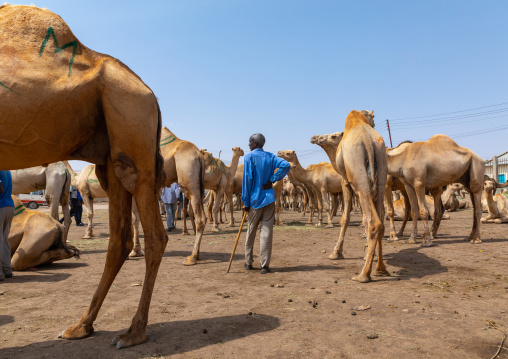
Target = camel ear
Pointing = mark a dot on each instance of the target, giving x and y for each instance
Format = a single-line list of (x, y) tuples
[(485, 177)]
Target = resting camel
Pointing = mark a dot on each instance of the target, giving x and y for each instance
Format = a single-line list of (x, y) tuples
[(497, 204), (361, 161), (55, 179), (402, 214), (63, 101), (440, 162), (36, 238)]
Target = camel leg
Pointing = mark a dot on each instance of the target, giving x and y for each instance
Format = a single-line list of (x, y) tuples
[(391, 213), (344, 222), (136, 251), (407, 212), (424, 214), (438, 210), (229, 198), (216, 206), (319, 201), (413, 201), (375, 234), (184, 215), (200, 222), (476, 194), (88, 203), (327, 208), (278, 207), (120, 245)]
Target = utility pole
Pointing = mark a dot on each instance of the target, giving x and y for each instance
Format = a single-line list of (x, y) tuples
[(389, 133)]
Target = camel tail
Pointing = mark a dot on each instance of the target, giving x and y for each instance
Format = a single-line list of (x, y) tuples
[(160, 176), (62, 240), (371, 167), (201, 177)]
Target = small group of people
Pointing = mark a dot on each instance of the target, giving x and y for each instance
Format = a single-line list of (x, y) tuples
[(76, 203)]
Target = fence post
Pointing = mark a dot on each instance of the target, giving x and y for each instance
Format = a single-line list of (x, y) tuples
[(495, 172)]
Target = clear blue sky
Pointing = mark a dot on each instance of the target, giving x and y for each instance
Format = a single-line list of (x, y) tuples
[(223, 70)]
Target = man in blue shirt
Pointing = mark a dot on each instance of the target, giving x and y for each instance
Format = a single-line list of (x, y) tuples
[(6, 214), (169, 198), (258, 197)]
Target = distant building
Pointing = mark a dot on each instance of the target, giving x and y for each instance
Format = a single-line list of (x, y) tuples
[(502, 168)]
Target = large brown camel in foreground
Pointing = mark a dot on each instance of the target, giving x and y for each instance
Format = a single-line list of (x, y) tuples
[(361, 161), (430, 165), (55, 179), (36, 238), (63, 101)]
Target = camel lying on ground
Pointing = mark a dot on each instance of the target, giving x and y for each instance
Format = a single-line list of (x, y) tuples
[(36, 238), (361, 161), (401, 214), (497, 204), (55, 179), (63, 101), (440, 162)]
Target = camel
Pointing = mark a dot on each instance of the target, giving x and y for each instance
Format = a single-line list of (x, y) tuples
[(55, 179), (320, 178), (401, 214), (63, 101), (451, 200), (440, 162), (362, 163), (218, 178), (497, 204), (90, 188), (36, 238)]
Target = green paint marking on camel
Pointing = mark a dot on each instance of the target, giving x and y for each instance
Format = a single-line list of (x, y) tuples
[(18, 212), (167, 140), (59, 49), (505, 193), (7, 87), (88, 180)]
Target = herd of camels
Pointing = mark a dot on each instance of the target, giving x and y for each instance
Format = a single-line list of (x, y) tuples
[(62, 101)]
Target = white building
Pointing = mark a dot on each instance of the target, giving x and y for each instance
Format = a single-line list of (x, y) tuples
[(502, 168)]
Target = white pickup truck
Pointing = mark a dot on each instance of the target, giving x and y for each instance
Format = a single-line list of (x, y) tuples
[(33, 200)]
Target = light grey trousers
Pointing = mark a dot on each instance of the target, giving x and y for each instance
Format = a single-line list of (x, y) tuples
[(264, 215), (6, 214)]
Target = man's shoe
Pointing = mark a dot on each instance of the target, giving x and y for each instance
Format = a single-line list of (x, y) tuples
[(80, 224), (248, 266), (265, 270), (8, 275)]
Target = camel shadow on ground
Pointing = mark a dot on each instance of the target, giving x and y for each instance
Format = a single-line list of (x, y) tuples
[(164, 339), (44, 273), (6, 319), (413, 263)]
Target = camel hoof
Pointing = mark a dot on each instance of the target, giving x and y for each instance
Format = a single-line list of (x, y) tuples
[(128, 339), (190, 261), (392, 239), (476, 241), (136, 253), (88, 236), (329, 225), (335, 256), (411, 241), (185, 233), (78, 331), (362, 278), (427, 244), (215, 230), (381, 273)]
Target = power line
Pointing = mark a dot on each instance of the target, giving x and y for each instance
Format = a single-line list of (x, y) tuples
[(408, 126), (448, 113)]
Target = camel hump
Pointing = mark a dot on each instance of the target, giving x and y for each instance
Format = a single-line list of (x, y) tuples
[(354, 119), (440, 138)]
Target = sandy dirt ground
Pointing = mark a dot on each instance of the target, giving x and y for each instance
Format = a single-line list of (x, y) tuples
[(446, 301)]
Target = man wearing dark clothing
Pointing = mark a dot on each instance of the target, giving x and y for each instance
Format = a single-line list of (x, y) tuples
[(6, 214), (77, 205)]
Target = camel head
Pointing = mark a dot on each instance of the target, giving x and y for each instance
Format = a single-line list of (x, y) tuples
[(489, 184), (370, 117), (289, 156), (238, 150), (332, 139)]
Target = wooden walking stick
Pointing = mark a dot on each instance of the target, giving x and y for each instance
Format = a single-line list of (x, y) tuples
[(236, 242)]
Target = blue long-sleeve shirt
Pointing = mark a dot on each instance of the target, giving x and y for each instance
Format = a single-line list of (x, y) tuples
[(5, 196), (259, 167)]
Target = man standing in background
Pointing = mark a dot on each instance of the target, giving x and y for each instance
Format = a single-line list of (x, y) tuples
[(170, 197), (6, 214)]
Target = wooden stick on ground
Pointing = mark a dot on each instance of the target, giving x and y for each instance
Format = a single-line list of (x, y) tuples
[(236, 242)]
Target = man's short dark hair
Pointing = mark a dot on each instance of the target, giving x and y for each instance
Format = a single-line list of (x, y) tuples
[(258, 138)]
